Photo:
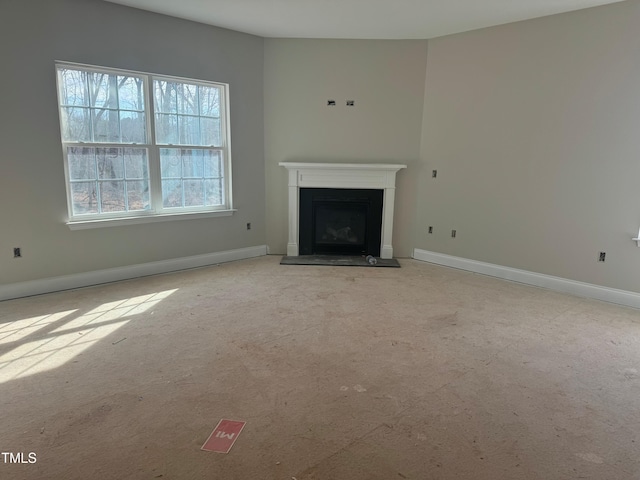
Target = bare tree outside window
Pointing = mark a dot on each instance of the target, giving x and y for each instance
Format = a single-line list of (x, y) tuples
[(105, 123), (108, 109), (189, 115)]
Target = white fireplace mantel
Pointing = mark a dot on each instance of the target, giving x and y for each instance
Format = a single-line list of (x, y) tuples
[(342, 175)]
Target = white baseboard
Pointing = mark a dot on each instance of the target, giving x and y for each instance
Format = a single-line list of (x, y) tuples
[(588, 290), (66, 282)]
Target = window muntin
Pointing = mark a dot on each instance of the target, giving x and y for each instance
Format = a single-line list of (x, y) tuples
[(191, 177), (187, 113), (101, 107), (108, 180), (131, 150)]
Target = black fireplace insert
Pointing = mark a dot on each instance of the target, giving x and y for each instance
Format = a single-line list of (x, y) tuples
[(340, 221)]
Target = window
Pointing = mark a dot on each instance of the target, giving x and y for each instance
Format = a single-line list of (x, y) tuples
[(138, 145)]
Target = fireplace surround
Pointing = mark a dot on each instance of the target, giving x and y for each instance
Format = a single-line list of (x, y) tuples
[(342, 176)]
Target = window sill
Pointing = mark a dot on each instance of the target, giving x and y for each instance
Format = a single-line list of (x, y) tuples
[(118, 222)]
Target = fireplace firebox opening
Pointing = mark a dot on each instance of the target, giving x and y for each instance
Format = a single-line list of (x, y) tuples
[(340, 221)]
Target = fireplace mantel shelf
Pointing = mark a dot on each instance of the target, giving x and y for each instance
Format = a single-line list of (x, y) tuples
[(342, 175), (345, 166)]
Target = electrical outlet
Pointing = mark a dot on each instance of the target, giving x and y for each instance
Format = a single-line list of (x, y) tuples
[(434, 173), (248, 226), (17, 252), (601, 257), (430, 229), (453, 234), (351, 103), (331, 103)]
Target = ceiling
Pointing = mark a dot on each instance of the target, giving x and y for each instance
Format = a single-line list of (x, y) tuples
[(366, 19)]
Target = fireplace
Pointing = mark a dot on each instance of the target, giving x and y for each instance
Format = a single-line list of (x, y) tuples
[(342, 187), (340, 221)]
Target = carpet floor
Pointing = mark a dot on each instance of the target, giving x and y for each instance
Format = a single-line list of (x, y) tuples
[(419, 372)]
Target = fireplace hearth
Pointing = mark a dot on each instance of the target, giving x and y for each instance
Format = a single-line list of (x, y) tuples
[(340, 221)]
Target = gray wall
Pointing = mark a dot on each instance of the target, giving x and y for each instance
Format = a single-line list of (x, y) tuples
[(386, 80), (35, 33), (532, 126), (534, 130)]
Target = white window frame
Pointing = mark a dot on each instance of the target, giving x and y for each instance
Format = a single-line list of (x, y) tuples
[(156, 212)]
